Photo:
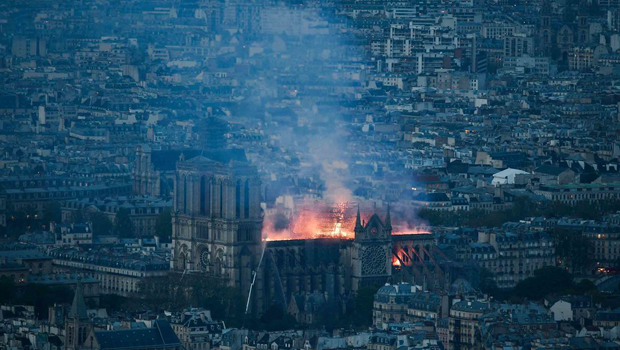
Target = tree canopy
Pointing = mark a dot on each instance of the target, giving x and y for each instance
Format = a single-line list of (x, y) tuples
[(30, 294), (123, 227), (521, 208), (546, 281), (102, 225), (275, 318), (176, 291), (163, 225), (573, 249), (52, 213)]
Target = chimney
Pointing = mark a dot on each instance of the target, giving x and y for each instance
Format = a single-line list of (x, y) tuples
[(483, 237)]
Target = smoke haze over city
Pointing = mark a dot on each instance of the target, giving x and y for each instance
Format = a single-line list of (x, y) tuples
[(309, 174)]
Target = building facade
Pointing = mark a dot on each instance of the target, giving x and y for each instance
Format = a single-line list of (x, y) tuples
[(119, 274)]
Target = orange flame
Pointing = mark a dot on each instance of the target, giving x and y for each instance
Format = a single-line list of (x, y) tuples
[(320, 220), (317, 220), (415, 231), (395, 261)]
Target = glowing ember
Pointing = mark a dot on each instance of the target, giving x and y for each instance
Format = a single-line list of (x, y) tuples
[(420, 231), (316, 220), (395, 262), (410, 230)]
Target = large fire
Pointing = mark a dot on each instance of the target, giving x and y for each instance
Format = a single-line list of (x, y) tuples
[(315, 220), (320, 220)]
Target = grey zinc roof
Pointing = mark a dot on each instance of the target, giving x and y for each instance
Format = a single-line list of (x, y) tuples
[(550, 170), (60, 279), (471, 306), (159, 337), (111, 258)]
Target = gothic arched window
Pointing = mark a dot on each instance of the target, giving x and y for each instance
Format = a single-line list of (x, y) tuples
[(218, 267), (246, 200), (221, 199), (203, 190), (184, 194), (183, 261), (238, 199)]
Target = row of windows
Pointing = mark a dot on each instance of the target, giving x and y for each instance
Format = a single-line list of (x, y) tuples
[(61, 194), (47, 183)]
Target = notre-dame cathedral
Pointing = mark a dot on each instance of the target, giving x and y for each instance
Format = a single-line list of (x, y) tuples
[(217, 225)]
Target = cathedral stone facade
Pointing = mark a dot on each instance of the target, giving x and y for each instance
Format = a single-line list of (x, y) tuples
[(216, 226)]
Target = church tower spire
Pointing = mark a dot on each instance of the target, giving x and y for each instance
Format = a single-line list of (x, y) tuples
[(78, 307), (77, 323), (358, 220)]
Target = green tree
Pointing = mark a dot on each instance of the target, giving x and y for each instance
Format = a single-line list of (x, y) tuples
[(572, 248), (123, 227), (275, 318), (7, 290), (585, 286), (163, 225), (165, 188), (178, 291), (30, 294), (358, 309), (102, 225), (585, 210), (77, 216), (114, 302), (52, 213), (487, 283), (364, 300), (546, 281), (522, 207)]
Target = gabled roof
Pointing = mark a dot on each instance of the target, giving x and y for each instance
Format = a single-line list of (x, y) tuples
[(550, 170), (374, 220)]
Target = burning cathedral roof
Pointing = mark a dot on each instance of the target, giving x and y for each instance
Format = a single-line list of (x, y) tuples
[(318, 220)]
